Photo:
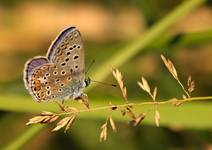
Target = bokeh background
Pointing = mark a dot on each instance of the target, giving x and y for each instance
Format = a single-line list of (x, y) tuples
[(109, 28)]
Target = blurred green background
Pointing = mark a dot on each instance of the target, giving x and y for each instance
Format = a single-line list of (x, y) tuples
[(129, 35)]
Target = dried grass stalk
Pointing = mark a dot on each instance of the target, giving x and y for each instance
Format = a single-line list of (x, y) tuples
[(46, 113), (123, 112), (184, 97), (112, 124), (175, 102), (103, 133), (70, 122), (157, 118), (170, 66), (36, 119), (62, 123), (113, 107), (71, 109), (130, 113), (191, 85), (44, 117), (118, 76), (138, 119), (54, 118), (144, 85), (154, 94)]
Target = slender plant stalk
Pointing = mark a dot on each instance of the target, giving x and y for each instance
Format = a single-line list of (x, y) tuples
[(182, 39), (123, 56), (144, 40), (184, 90), (139, 104), (24, 138)]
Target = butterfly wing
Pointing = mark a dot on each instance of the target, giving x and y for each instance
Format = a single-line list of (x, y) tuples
[(31, 67), (67, 53), (60, 75)]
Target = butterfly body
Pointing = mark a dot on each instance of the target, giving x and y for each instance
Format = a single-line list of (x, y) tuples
[(61, 74)]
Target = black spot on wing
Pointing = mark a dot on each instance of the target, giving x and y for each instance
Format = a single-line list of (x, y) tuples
[(58, 40)]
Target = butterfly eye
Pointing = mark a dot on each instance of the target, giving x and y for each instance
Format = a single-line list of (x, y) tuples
[(61, 84), (78, 46), (74, 46), (71, 70), (68, 53), (76, 66), (70, 48), (60, 90), (52, 96)]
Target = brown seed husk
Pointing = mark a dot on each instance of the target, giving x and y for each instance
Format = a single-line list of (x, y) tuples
[(154, 94), (130, 113), (138, 119), (70, 123), (112, 124), (157, 118), (62, 123), (36, 119), (103, 133), (170, 66), (118, 76)]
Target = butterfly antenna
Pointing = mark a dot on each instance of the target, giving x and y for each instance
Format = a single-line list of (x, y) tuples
[(104, 83), (89, 67)]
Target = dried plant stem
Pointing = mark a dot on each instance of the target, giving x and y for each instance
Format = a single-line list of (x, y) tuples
[(141, 103), (184, 90)]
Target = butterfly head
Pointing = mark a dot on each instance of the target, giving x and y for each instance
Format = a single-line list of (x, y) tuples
[(87, 81)]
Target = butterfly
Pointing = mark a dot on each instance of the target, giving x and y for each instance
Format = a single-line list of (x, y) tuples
[(60, 75)]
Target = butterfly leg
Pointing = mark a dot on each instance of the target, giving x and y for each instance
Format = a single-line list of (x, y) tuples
[(83, 98), (61, 105)]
